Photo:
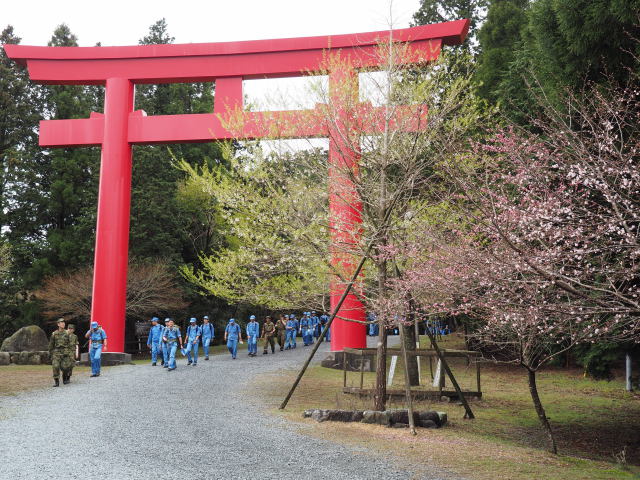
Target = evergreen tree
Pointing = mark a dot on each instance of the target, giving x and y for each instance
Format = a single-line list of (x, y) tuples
[(158, 222), (55, 189), (500, 38), (436, 11), (546, 47)]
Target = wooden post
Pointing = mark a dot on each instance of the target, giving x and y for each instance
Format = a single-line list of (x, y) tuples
[(361, 369), (467, 408), (344, 368), (478, 374), (407, 383)]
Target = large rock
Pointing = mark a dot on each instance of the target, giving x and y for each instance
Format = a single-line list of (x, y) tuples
[(5, 358), (333, 415), (380, 418), (27, 339)]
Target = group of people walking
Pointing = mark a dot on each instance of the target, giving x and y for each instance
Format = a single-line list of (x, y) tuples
[(64, 350), (164, 341)]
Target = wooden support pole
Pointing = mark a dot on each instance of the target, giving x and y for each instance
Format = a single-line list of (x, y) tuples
[(445, 365), (407, 383)]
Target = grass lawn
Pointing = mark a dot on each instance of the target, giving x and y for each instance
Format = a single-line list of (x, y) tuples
[(597, 424), (16, 379)]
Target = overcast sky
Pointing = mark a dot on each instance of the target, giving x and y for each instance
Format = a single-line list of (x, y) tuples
[(124, 22)]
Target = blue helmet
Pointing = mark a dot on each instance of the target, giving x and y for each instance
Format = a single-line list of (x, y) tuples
[(231, 320), (252, 317), (94, 324), (155, 319), (166, 320), (193, 320), (205, 317)]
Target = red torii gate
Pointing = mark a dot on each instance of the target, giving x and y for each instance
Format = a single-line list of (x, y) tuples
[(226, 64)]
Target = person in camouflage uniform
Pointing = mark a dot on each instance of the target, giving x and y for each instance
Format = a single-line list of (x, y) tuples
[(73, 352), (59, 352), (281, 327), (268, 332)]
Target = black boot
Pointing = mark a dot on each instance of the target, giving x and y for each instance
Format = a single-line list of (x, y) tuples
[(65, 379), (57, 382)]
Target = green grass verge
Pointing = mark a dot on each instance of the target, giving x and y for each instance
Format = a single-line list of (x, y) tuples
[(596, 423)]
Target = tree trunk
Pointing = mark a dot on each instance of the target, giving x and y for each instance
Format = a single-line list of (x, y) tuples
[(410, 345), (533, 389)]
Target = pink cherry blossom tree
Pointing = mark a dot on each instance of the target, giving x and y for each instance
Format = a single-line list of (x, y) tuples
[(545, 251)]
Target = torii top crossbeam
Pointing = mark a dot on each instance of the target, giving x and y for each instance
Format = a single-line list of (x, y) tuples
[(199, 62), (226, 64)]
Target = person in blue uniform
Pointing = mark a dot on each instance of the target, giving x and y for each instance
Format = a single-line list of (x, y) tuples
[(324, 319), (155, 340), (192, 339), (290, 333), (208, 334), (98, 341), (295, 331), (373, 327), (305, 329), (172, 336), (315, 324), (233, 335), (253, 333), (163, 345)]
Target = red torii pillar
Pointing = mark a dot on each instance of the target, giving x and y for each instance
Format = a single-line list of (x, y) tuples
[(226, 64)]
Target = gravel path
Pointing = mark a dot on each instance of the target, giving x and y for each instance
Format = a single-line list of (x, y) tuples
[(142, 422)]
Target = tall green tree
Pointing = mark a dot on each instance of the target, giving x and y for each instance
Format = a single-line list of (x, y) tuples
[(54, 190), (436, 11), (159, 223), (500, 38), (548, 47)]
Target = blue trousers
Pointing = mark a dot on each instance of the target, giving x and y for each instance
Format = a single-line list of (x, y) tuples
[(290, 339), (192, 348), (95, 352), (165, 353), (155, 348), (252, 344), (171, 353), (328, 335), (206, 341), (232, 345)]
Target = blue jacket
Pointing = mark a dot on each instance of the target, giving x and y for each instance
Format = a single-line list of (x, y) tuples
[(315, 320), (172, 334), (193, 331), (97, 335), (253, 329), (305, 323), (208, 331), (233, 331), (155, 334), (292, 325)]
